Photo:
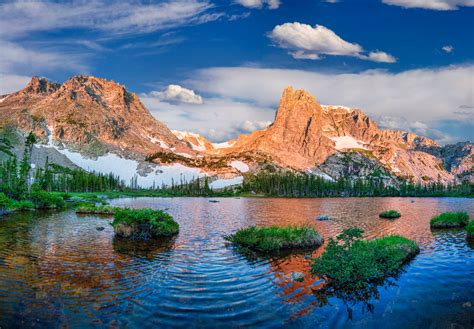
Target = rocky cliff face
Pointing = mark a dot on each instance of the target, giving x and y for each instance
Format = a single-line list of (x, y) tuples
[(95, 117), (305, 134), (88, 114)]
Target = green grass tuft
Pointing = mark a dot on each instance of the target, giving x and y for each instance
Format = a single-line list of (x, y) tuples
[(350, 263), (143, 223), (390, 214), (275, 238), (450, 220), (95, 210), (470, 229)]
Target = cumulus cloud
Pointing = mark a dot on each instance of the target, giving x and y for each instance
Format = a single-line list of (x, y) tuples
[(218, 119), (258, 4), (177, 94), (426, 96), (381, 56), (306, 42), (431, 4), (448, 49)]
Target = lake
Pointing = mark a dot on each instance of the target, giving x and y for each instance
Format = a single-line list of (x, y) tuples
[(58, 270)]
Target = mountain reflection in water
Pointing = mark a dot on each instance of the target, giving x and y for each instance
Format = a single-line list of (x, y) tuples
[(57, 269)]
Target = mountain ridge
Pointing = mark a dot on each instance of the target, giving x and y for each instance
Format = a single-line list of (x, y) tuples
[(96, 117)]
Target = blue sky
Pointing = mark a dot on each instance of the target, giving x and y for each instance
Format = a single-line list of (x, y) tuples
[(219, 67)]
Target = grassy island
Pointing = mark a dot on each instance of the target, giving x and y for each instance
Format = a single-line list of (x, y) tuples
[(95, 210), (350, 263), (275, 238), (450, 220), (143, 224), (391, 214), (470, 230)]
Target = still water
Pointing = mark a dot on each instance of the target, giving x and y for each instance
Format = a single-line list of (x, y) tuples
[(58, 270)]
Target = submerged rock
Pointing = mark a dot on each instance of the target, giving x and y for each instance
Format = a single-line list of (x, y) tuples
[(297, 276), (100, 228), (325, 218)]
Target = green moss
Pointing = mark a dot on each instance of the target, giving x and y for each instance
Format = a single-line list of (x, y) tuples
[(470, 229), (350, 263), (275, 238), (450, 220), (143, 223), (390, 214)]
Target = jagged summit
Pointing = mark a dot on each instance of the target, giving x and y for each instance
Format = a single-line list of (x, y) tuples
[(96, 116), (88, 112)]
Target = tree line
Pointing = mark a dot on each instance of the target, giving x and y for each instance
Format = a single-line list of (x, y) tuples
[(292, 184)]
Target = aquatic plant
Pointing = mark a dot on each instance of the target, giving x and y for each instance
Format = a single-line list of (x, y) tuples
[(275, 238), (350, 263), (450, 220), (143, 223), (95, 210), (470, 229), (390, 214)]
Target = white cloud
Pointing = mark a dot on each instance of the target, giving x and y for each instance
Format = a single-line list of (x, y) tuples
[(10, 83), (16, 58), (382, 57), (177, 94), (307, 42), (448, 49), (258, 4), (125, 17), (431, 4), (427, 96), (218, 119)]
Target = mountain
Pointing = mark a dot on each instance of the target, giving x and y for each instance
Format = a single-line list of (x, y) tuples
[(305, 134), (88, 114), (98, 125)]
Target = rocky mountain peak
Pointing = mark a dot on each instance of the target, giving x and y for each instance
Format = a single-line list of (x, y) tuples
[(41, 86)]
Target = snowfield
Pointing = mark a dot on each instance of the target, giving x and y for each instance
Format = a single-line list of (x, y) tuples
[(240, 166), (348, 142), (223, 145), (127, 169), (181, 135)]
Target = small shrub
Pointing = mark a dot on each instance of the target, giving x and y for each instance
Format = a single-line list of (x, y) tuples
[(4, 201), (470, 229), (143, 223), (390, 214), (275, 238), (95, 210), (349, 263), (45, 200), (450, 220), (22, 205)]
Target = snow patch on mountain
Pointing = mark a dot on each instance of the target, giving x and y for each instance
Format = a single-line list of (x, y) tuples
[(127, 169), (223, 145), (332, 107), (347, 142), (240, 166), (191, 138)]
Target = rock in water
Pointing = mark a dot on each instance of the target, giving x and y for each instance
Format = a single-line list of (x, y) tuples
[(297, 276)]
